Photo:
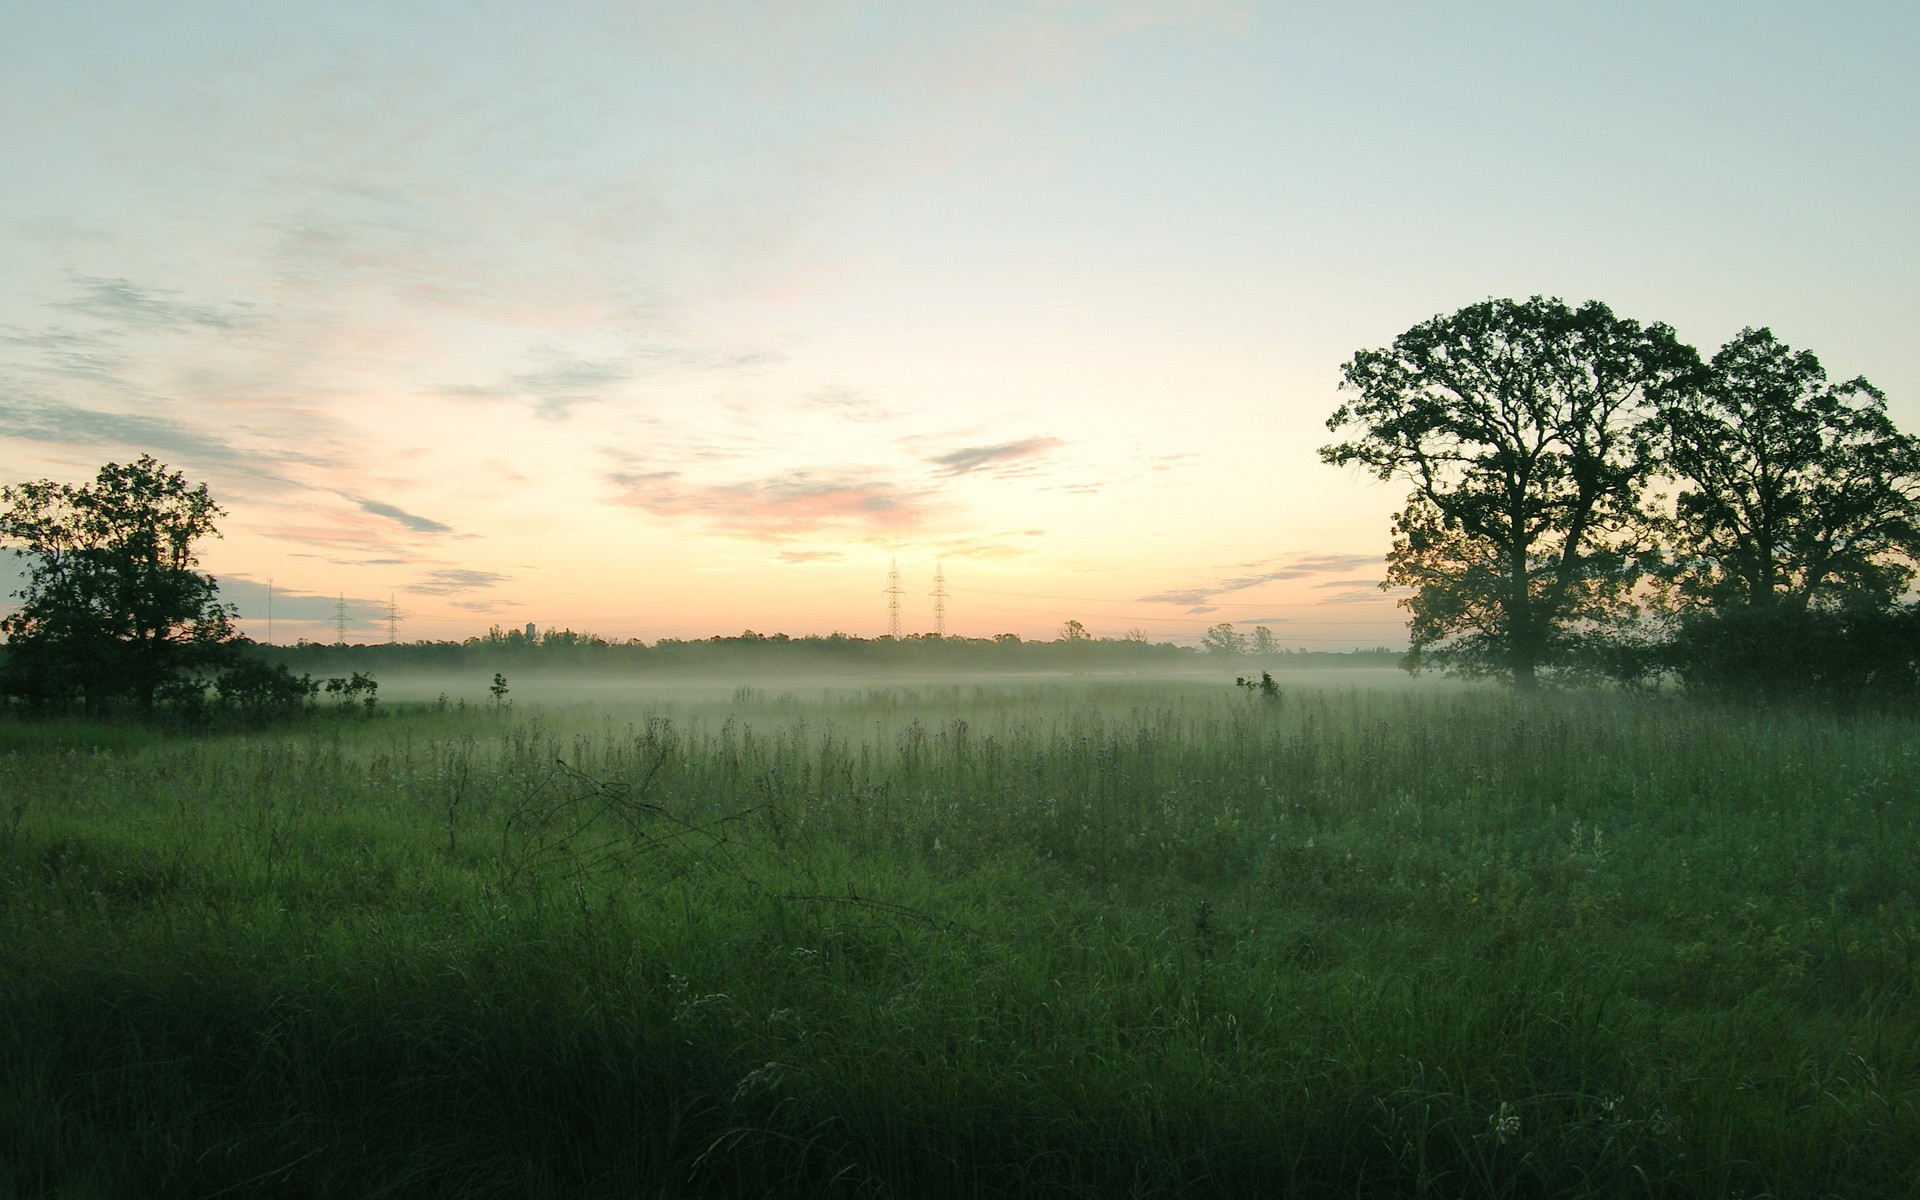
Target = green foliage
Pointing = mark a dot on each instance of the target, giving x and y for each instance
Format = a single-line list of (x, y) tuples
[(1783, 653), (1112, 939), (1523, 427), (262, 691), (112, 610), (1223, 639), (1791, 489), (1264, 687), (1537, 539), (357, 689)]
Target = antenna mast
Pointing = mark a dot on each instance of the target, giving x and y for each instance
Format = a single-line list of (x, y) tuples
[(340, 620), (939, 601), (894, 592)]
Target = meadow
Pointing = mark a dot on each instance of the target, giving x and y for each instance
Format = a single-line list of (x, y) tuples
[(1068, 937)]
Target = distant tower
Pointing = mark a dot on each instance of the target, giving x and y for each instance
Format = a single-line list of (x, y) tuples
[(269, 612), (340, 620), (939, 601), (393, 620), (894, 592)]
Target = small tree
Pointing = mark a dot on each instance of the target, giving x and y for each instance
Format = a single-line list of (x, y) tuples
[(498, 689), (358, 688), (1223, 639), (112, 608), (260, 692), (1074, 631)]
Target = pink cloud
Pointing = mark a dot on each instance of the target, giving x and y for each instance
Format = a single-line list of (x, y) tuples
[(788, 505)]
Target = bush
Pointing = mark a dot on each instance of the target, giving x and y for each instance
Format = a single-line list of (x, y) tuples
[(1781, 653), (261, 692)]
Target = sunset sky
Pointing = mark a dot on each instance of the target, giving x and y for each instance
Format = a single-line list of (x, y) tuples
[(669, 320)]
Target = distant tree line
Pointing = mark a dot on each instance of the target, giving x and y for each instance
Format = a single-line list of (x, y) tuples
[(1593, 499), (565, 649), (115, 617)]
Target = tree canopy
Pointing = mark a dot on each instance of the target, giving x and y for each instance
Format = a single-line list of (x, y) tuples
[(1790, 489), (1576, 473), (1523, 427), (112, 609)]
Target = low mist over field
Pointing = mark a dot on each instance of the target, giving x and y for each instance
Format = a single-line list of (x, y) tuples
[(1167, 599)]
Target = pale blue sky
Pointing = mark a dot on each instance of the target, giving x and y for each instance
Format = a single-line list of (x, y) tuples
[(680, 319)]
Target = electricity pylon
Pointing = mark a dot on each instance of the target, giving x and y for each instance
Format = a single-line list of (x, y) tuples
[(939, 601), (894, 592), (340, 620), (393, 621)]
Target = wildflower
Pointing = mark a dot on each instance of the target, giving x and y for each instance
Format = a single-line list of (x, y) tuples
[(761, 1079), (1504, 1124)]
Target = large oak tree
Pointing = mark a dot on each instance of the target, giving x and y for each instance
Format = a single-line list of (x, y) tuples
[(1790, 490), (1524, 428)]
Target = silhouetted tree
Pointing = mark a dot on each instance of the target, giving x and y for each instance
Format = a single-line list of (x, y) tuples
[(112, 609), (1791, 490), (1224, 639), (1523, 427)]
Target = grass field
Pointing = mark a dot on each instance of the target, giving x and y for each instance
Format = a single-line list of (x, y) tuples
[(1074, 938)]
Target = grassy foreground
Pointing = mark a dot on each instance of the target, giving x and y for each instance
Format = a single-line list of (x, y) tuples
[(1084, 939)]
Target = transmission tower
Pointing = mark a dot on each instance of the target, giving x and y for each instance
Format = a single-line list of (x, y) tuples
[(269, 612), (894, 592), (340, 620), (393, 620), (939, 601)]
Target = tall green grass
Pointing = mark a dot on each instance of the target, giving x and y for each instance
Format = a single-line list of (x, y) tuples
[(1065, 939)]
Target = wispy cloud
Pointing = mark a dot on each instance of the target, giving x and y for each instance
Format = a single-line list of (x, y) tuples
[(807, 557), (482, 606), (1360, 591), (452, 580), (556, 387), (1001, 458), (1298, 567), (562, 382), (418, 524), (295, 605), (1142, 466), (847, 404), (92, 355), (786, 505), (123, 302), (986, 547), (46, 420), (560, 387)]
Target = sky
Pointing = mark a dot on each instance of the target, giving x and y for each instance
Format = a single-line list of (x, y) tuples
[(680, 319)]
